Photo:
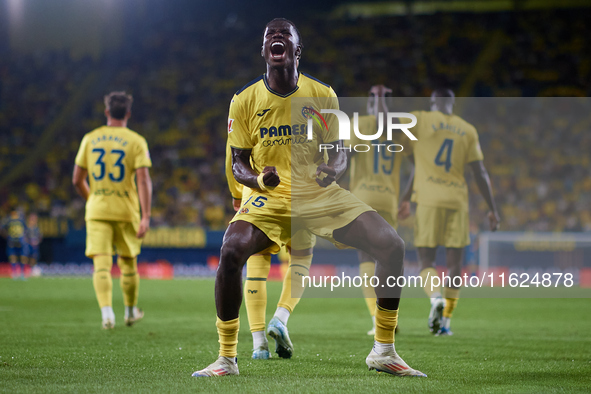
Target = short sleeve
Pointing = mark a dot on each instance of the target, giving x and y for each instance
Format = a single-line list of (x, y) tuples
[(238, 134), (142, 158), (81, 156), (474, 150), (332, 133)]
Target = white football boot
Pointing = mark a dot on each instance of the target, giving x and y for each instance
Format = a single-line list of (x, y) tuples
[(222, 366), (436, 314), (131, 317), (390, 362)]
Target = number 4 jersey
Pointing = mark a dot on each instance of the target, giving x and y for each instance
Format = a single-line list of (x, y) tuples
[(112, 155), (445, 144)]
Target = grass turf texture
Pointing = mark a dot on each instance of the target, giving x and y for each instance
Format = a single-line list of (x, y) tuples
[(51, 341)]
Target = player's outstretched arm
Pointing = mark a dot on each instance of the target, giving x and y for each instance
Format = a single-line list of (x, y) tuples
[(483, 182), (404, 208), (144, 190), (79, 181), (327, 173), (244, 173)]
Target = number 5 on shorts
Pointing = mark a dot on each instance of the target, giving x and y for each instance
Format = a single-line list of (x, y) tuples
[(259, 201)]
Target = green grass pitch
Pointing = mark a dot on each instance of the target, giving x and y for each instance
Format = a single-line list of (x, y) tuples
[(51, 341)]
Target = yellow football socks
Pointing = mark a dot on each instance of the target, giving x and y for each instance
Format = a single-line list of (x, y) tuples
[(368, 268), (130, 280), (426, 276), (386, 321), (292, 283), (101, 278), (255, 290), (451, 300), (228, 336)]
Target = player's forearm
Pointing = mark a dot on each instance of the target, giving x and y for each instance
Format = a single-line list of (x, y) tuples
[(80, 183), (144, 186), (484, 186), (82, 189), (242, 170), (409, 185), (245, 175)]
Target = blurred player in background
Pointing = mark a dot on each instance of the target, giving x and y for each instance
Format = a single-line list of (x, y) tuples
[(34, 238), (115, 158), (255, 286), (445, 144), (262, 161), (375, 180), (15, 231)]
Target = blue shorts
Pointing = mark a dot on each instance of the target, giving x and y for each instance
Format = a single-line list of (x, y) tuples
[(16, 251)]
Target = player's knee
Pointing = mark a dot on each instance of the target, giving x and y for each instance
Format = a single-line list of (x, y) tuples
[(389, 247), (127, 265), (396, 246), (399, 242), (233, 256), (455, 270)]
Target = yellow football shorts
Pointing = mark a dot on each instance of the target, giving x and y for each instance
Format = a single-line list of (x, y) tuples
[(329, 210), (110, 237), (302, 239), (435, 226)]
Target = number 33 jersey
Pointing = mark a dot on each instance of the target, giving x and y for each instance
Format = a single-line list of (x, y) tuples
[(445, 144), (111, 155)]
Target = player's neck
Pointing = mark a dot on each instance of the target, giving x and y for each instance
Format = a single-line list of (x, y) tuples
[(116, 122), (282, 80)]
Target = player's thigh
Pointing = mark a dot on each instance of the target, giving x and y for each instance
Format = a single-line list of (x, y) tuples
[(429, 231), (99, 237), (390, 217), (457, 228), (369, 232), (125, 239), (242, 240), (332, 211), (12, 256), (270, 215)]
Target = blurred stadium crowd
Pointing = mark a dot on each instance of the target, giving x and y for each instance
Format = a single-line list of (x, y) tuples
[(183, 75)]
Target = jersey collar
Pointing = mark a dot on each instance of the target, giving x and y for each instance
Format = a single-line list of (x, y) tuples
[(279, 94)]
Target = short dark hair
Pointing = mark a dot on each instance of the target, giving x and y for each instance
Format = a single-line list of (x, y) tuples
[(300, 42), (118, 104)]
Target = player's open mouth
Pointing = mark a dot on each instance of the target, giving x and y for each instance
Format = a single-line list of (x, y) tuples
[(277, 50)]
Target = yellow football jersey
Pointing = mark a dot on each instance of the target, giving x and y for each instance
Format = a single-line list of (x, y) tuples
[(445, 144), (375, 175), (112, 155), (261, 120)]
